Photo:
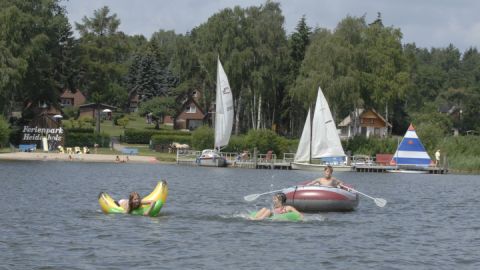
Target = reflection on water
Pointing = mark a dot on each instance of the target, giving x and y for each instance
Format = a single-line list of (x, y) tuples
[(51, 220)]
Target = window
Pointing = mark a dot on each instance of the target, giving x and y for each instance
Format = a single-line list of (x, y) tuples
[(191, 109), (66, 102)]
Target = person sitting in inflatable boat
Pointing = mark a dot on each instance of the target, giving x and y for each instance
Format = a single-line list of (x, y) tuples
[(327, 180), (279, 208), (134, 201)]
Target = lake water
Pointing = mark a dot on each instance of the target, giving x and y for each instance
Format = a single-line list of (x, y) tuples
[(50, 219)]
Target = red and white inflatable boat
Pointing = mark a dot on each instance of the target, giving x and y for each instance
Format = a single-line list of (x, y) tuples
[(321, 199)]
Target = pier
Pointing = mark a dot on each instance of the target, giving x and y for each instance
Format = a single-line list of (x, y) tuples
[(270, 161), (393, 169), (255, 161)]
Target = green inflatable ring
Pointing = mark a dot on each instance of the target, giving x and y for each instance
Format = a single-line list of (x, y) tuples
[(290, 216)]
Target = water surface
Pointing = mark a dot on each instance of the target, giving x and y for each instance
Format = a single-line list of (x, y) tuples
[(51, 220)]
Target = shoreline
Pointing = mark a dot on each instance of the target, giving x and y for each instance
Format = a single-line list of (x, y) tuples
[(99, 158)]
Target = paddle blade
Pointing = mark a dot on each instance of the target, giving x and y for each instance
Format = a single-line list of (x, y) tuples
[(251, 197), (380, 202)]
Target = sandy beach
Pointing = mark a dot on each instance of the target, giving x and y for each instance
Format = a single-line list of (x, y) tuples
[(77, 157)]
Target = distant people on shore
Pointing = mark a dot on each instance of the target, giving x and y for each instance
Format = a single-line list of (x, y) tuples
[(327, 179), (124, 160), (437, 158)]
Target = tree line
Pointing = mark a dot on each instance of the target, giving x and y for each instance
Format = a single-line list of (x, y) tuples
[(274, 76)]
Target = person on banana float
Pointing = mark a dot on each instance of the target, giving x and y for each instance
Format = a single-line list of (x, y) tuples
[(327, 180), (135, 201), (279, 207)]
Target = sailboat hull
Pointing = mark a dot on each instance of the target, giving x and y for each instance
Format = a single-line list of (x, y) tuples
[(320, 167), (211, 158), (212, 162), (321, 199)]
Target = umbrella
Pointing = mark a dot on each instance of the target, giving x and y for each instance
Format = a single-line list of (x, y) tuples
[(107, 110), (57, 116)]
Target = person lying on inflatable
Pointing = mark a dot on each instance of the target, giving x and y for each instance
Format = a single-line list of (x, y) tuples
[(279, 208), (135, 201)]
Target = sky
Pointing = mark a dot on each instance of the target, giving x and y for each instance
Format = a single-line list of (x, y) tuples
[(427, 23)]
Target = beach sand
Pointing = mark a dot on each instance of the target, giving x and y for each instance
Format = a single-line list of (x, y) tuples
[(77, 157)]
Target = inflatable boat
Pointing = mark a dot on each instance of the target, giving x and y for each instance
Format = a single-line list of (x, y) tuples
[(290, 216), (321, 199), (159, 195)]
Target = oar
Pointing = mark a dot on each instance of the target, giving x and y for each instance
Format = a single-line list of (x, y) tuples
[(253, 197), (378, 201)]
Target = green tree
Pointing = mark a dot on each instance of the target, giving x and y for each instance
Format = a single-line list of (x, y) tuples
[(104, 53), (298, 44), (35, 49), (159, 107), (4, 132)]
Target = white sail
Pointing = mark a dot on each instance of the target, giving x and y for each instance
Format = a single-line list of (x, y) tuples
[(224, 109), (303, 150), (325, 139)]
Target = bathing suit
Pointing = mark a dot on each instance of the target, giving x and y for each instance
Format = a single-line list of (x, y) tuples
[(280, 210)]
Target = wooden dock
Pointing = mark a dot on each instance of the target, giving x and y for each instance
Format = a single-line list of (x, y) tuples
[(385, 169), (260, 161), (273, 165)]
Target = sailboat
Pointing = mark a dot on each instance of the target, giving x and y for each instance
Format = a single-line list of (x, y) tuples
[(411, 156), (223, 121), (320, 140)]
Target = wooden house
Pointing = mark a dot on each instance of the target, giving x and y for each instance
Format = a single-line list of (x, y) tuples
[(191, 116), (72, 99), (364, 122)]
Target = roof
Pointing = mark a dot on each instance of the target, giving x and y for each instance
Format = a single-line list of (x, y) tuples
[(347, 120), (94, 105), (69, 94)]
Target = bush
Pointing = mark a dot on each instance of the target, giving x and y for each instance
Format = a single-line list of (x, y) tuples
[(116, 117), (123, 121), (87, 139), (203, 138), (143, 136), (70, 113), (462, 152), (236, 144), (360, 145), (165, 139), (79, 130), (265, 140), (85, 121)]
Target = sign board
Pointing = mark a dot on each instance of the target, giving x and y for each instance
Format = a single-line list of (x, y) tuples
[(43, 127)]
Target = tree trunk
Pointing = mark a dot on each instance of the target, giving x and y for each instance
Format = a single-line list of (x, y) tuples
[(254, 105), (259, 112), (97, 120), (237, 115)]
